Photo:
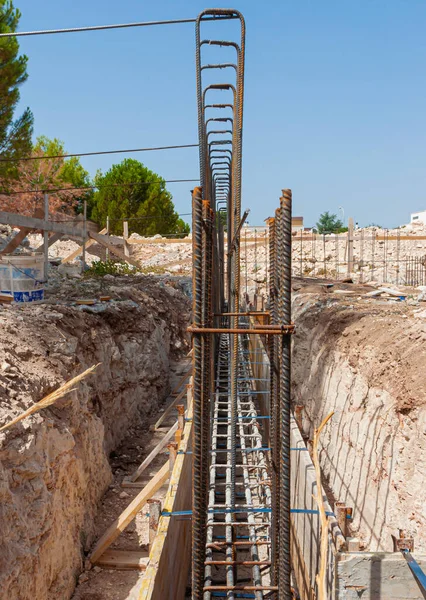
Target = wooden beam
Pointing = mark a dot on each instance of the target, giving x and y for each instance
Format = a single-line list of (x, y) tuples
[(52, 240), (104, 241), (124, 559), (136, 242), (34, 223), (79, 250), (148, 460), (169, 409), (129, 514), (21, 235)]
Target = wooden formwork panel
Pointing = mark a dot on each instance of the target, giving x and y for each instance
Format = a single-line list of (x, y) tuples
[(166, 576)]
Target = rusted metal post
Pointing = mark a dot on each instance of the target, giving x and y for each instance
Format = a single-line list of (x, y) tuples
[(154, 518), (181, 416)]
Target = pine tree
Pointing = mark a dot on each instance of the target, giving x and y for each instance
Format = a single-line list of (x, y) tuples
[(131, 191), (15, 134)]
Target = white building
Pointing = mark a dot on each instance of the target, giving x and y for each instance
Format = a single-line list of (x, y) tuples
[(418, 217)]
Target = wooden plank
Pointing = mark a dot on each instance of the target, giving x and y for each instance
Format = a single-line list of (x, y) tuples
[(130, 512), (170, 555), (21, 235), (33, 223), (169, 408), (135, 242), (52, 240), (79, 250), (148, 460), (104, 241), (124, 559)]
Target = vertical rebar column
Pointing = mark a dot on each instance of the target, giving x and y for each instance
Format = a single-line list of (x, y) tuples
[(273, 396), (207, 365), (284, 580), (199, 497)]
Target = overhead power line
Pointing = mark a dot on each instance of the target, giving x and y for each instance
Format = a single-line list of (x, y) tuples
[(26, 158), (114, 26), (95, 187)]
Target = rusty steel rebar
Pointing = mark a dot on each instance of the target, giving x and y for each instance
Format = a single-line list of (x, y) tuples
[(284, 569)]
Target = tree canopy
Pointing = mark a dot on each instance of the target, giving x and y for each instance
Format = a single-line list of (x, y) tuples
[(59, 175), (130, 191), (329, 223), (15, 134)]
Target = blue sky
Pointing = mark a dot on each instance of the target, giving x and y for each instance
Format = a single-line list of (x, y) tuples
[(335, 97)]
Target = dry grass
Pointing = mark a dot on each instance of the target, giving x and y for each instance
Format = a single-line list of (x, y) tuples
[(51, 398)]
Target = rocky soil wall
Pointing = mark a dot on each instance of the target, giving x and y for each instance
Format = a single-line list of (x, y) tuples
[(54, 465), (364, 360)]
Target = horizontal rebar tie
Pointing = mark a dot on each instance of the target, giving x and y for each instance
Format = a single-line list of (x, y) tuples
[(281, 330), (260, 509)]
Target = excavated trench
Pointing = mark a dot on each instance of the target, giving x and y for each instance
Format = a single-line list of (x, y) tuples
[(55, 466), (359, 357), (363, 358)]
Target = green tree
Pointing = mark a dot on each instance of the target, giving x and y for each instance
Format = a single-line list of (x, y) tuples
[(329, 223), (131, 191), (15, 134)]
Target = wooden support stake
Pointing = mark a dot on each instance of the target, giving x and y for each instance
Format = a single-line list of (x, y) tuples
[(154, 518), (102, 239), (126, 237), (148, 460), (46, 238), (83, 262), (341, 512), (321, 576), (107, 233), (169, 409), (350, 246), (77, 252), (124, 560), (129, 514)]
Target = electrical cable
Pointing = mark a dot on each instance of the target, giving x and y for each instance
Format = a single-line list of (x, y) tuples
[(113, 26), (94, 187), (26, 158)]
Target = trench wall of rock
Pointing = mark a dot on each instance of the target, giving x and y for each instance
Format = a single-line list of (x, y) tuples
[(365, 364), (54, 465)]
